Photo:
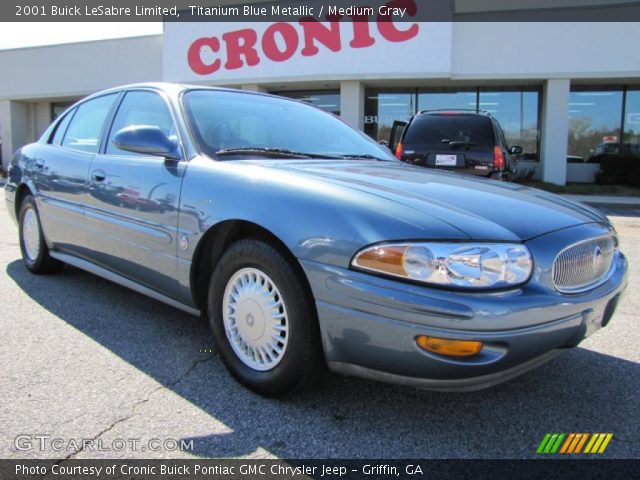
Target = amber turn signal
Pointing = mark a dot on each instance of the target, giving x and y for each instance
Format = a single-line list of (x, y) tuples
[(452, 348)]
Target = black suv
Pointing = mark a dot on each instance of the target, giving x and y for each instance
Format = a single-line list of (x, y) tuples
[(461, 140)]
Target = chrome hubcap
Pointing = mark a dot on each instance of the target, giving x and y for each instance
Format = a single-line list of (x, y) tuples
[(255, 319), (31, 234)]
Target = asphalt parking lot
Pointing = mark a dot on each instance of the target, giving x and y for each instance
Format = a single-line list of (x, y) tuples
[(82, 358)]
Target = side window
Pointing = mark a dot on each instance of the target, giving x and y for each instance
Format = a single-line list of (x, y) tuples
[(86, 126), (61, 128), (140, 108), (500, 133)]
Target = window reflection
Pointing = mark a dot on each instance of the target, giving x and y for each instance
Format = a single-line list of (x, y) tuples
[(447, 98), (518, 115), (58, 108), (382, 107), (328, 100), (632, 121), (594, 122)]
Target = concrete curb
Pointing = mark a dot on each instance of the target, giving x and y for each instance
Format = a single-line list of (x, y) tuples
[(604, 200)]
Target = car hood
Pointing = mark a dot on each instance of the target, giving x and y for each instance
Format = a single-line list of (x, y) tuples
[(480, 208)]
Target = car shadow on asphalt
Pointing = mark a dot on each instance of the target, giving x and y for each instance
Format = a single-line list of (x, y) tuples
[(582, 390)]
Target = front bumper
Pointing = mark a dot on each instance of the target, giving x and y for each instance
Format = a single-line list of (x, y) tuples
[(369, 325)]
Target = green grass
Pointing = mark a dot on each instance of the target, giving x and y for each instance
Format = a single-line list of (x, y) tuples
[(585, 188)]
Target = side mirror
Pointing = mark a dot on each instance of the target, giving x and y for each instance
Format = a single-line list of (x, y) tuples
[(515, 150), (396, 134), (148, 140)]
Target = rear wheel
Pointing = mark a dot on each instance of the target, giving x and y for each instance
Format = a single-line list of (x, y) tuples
[(33, 246), (263, 320)]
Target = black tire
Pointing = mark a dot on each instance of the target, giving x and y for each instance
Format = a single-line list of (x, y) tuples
[(302, 362), (42, 262)]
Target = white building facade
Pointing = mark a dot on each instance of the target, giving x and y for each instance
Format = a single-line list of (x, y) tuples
[(562, 91)]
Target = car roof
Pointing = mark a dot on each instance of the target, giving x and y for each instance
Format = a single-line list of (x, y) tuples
[(455, 111), (174, 89), (167, 87)]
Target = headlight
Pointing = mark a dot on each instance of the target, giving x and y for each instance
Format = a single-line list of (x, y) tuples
[(467, 265)]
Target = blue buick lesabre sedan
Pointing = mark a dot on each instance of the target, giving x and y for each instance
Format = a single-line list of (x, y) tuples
[(306, 245)]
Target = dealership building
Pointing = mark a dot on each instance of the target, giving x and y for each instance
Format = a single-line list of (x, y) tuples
[(563, 91)]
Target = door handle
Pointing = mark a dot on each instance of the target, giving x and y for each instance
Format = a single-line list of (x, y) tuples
[(98, 176)]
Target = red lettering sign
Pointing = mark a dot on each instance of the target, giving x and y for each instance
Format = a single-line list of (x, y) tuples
[(288, 34), (194, 55)]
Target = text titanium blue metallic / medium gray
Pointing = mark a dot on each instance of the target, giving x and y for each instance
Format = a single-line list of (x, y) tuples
[(308, 245)]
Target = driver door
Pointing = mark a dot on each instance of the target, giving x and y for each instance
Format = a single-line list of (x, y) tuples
[(132, 206)]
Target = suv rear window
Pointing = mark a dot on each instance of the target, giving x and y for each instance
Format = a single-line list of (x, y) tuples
[(439, 129)]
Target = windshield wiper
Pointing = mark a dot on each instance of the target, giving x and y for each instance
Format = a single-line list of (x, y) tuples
[(278, 152), (364, 156)]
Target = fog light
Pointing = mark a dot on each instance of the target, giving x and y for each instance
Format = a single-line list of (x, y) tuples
[(452, 348)]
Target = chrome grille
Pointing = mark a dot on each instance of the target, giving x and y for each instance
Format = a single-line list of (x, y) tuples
[(582, 265)]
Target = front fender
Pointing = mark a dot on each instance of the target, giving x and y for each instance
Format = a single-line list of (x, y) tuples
[(316, 219)]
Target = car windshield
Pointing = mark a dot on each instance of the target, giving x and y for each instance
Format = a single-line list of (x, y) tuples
[(231, 125), (446, 129)]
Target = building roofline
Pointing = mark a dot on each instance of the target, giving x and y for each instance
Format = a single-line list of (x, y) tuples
[(83, 42)]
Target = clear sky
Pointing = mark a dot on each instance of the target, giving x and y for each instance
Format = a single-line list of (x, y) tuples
[(27, 34)]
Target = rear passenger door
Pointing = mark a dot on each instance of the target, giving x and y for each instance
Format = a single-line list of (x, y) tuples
[(62, 171), (132, 206)]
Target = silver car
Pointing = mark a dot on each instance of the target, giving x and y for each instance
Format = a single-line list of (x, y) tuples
[(307, 245)]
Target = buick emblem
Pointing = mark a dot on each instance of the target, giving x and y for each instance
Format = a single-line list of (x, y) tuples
[(597, 258)]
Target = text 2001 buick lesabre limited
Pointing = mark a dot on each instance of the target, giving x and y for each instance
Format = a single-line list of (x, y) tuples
[(306, 244)]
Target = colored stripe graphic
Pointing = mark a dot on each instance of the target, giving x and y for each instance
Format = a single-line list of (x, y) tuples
[(543, 443), (572, 443), (550, 443), (581, 443), (598, 443), (558, 442), (568, 443), (593, 440), (605, 443)]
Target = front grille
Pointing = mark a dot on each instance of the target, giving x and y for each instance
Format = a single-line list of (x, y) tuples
[(583, 265)]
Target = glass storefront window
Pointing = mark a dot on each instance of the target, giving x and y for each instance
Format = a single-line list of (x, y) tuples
[(58, 108), (328, 100), (382, 107), (632, 121), (595, 116), (445, 98), (517, 113), (517, 110)]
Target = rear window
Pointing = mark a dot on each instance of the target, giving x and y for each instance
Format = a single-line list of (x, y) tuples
[(442, 129)]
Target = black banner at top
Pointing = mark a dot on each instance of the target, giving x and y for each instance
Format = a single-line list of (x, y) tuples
[(345, 10)]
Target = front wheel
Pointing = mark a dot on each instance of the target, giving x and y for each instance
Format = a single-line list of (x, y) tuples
[(33, 246), (263, 320)]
